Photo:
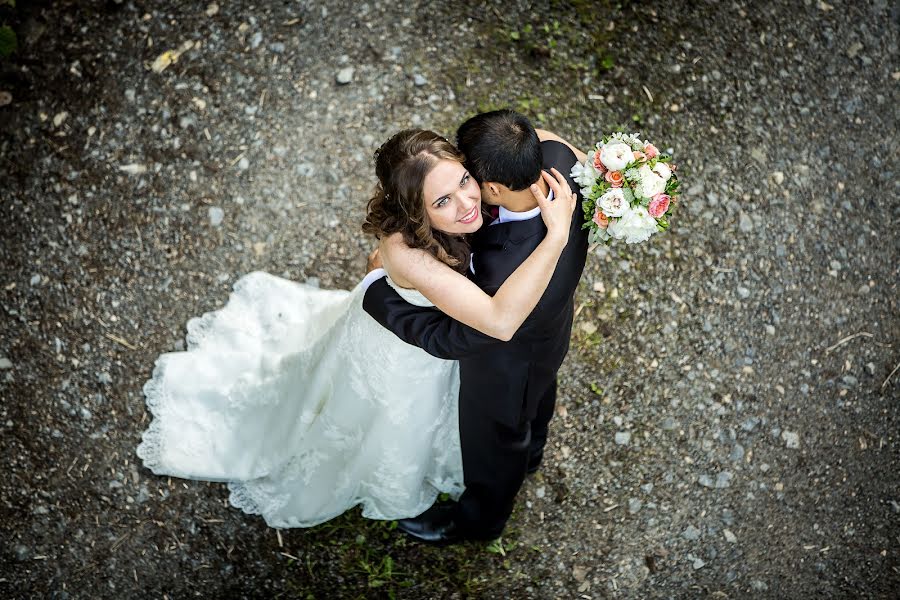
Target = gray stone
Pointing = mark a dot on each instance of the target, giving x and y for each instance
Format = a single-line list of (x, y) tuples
[(216, 216), (419, 80), (634, 505), (737, 453), (5, 363), (691, 533), (22, 552), (622, 437), (791, 439), (745, 223), (345, 75), (723, 479)]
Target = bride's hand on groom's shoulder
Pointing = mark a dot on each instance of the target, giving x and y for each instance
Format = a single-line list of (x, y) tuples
[(374, 261), (557, 214)]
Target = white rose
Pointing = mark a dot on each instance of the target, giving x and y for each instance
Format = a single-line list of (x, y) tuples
[(651, 183), (616, 156), (613, 203), (635, 226), (663, 170)]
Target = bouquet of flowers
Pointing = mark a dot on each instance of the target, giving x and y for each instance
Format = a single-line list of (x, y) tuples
[(629, 189)]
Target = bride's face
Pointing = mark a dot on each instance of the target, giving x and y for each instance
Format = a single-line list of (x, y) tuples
[(452, 198)]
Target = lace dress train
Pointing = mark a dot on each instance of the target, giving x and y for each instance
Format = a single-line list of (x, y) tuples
[(306, 406)]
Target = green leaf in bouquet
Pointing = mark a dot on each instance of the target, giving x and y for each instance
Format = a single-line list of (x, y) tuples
[(600, 187), (672, 186), (588, 207), (632, 175), (629, 195)]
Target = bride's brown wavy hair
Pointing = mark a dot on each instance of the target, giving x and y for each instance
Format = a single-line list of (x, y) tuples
[(398, 204)]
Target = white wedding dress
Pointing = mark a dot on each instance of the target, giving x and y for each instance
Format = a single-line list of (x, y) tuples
[(306, 406)]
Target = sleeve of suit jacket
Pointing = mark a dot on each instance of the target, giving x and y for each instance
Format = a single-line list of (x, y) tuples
[(425, 327)]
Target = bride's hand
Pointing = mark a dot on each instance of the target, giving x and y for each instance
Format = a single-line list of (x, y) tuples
[(374, 261), (557, 214)]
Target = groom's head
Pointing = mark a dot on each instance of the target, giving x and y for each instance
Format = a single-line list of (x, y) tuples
[(502, 152)]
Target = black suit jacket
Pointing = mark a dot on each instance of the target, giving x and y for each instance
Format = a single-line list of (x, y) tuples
[(507, 379)]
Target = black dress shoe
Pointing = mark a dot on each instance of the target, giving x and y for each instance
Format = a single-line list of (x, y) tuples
[(434, 526), (534, 462)]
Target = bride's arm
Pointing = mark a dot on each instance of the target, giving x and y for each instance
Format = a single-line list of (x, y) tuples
[(545, 136), (499, 316)]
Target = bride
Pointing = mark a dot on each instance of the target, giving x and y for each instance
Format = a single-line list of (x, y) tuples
[(303, 403)]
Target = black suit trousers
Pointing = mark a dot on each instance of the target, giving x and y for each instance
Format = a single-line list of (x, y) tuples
[(495, 460)]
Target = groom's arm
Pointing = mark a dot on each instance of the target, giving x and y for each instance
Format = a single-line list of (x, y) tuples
[(425, 327)]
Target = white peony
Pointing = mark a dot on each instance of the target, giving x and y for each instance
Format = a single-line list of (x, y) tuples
[(651, 183), (635, 226), (663, 170), (613, 203), (616, 156)]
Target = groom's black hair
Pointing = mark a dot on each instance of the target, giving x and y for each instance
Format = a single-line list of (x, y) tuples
[(501, 146)]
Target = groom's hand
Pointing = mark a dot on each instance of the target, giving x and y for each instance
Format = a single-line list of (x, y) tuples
[(374, 261)]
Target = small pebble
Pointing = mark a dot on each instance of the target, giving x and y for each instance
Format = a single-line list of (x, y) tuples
[(791, 439), (622, 437), (345, 75), (723, 479), (216, 216), (691, 533)]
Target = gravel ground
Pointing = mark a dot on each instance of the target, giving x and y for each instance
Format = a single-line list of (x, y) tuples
[(727, 425)]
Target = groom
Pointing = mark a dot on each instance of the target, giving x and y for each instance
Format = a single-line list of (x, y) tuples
[(507, 389)]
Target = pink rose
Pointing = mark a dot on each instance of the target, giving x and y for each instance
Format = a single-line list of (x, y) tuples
[(600, 219), (651, 151), (597, 164), (615, 178), (638, 155), (658, 205)]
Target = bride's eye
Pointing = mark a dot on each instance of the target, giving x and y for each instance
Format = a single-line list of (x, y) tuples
[(464, 181), (442, 202)]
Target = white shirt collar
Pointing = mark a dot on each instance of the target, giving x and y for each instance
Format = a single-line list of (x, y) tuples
[(505, 216)]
